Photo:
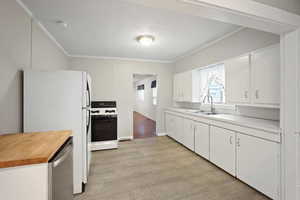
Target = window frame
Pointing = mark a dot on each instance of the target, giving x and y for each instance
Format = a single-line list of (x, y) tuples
[(202, 93)]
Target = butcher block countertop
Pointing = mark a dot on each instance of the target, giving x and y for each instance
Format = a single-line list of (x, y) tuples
[(30, 148)]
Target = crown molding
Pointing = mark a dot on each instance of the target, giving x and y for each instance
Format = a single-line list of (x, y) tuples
[(208, 44), (42, 27), (190, 53), (123, 59)]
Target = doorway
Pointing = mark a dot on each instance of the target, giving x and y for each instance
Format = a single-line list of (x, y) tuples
[(145, 101)]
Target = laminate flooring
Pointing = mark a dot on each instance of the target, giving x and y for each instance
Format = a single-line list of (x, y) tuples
[(143, 127), (158, 168)]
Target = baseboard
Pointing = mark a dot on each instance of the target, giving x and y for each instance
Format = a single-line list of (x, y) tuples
[(124, 138), (161, 134)]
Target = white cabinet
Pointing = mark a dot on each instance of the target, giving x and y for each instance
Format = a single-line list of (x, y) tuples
[(266, 75), (189, 134), (186, 87), (258, 164), (29, 182), (222, 148), (177, 87), (237, 74), (202, 139), (170, 123), (178, 129), (174, 127)]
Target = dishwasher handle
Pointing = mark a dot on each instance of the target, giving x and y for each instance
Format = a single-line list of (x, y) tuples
[(62, 155)]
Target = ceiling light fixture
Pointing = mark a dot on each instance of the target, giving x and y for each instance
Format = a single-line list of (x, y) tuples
[(145, 40), (62, 23)]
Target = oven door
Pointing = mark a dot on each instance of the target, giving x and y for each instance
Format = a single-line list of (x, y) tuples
[(104, 128)]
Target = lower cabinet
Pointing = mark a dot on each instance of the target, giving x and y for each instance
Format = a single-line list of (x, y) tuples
[(222, 148), (253, 160), (178, 129), (170, 123), (258, 164), (174, 127), (189, 134), (202, 139)]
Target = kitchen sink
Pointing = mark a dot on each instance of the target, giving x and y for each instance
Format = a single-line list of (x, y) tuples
[(210, 113), (205, 112)]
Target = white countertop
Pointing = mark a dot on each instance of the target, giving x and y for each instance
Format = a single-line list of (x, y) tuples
[(262, 124)]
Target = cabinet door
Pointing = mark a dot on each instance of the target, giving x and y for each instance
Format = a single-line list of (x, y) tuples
[(188, 138), (175, 77), (176, 89), (187, 86), (170, 125), (258, 164), (222, 148), (179, 129), (238, 80), (202, 139), (266, 75)]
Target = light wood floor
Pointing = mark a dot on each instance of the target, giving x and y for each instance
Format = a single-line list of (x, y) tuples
[(143, 127), (158, 168)]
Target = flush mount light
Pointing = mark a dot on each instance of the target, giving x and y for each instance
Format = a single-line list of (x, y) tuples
[(62, 23), (145, 40)]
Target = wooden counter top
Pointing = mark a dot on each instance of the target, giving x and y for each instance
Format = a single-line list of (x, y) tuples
[(30, 148)]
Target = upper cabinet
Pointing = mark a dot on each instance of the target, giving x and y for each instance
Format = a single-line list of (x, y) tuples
[(177, 93), (187, 87), (254, 78), (237, 73), (266, 75), (250, 79)]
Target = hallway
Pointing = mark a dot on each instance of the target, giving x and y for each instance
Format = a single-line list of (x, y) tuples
[(143, 127)]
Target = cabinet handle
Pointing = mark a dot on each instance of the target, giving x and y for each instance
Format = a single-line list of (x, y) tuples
[(256, 94), (246, 94), (230, 140)]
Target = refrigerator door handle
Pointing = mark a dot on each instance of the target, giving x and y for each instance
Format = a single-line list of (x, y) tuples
[(89, 122), (88, 95)]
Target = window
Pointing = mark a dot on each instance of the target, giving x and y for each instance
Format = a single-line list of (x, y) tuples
[(154, 92), (154, 96), (141, 92), (212, 82)]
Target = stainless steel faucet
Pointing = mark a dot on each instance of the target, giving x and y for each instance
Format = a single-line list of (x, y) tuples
[(211, 101)]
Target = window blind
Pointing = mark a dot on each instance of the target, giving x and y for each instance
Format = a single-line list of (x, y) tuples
[(153, 84), (141, 87)]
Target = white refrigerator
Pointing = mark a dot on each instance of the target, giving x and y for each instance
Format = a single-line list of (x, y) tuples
[(60, 100)]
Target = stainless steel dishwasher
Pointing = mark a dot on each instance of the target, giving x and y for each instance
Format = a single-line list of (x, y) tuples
[(61, 173)]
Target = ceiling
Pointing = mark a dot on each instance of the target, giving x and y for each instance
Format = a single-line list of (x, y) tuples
[(108, 28)]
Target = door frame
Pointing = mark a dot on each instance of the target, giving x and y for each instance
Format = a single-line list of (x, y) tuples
[(157, 104)]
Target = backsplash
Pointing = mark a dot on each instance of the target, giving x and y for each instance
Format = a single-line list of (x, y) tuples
[(255, 112)]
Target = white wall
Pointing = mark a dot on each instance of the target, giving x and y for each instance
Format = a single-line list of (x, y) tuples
[(237, 44), (289, 5), (15, 54), (146, 106), (113, 80)]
